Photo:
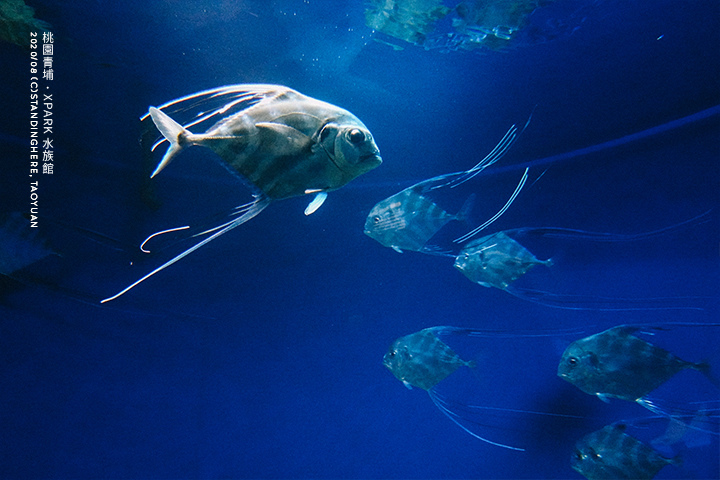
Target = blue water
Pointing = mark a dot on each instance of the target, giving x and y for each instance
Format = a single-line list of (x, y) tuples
[(260, 355)]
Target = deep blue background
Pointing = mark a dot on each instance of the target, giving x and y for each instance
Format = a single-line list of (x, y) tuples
[(260, 354)]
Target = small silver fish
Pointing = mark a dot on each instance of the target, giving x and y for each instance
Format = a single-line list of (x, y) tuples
[(281, 142), (422, 359), (496, 261), (610, 453), (409, 219), (617, 364)]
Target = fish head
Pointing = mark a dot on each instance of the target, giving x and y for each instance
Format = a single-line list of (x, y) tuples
[(350, 146), (587, 462), (462, 262), (397, 358), (578, 365), (472, 263), (385, 218), (605, 453)]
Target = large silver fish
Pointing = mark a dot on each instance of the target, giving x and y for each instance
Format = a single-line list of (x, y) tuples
[(610, 453), (617, 364), (281, 142)]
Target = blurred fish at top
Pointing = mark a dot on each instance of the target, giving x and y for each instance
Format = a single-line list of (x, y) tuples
[(410, 218), (610, 453), (17, 20), (409, 20), (617, 363), (475, 25), (280, 142)]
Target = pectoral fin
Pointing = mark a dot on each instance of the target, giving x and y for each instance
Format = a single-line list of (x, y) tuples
[(316, 203), (603, 397)]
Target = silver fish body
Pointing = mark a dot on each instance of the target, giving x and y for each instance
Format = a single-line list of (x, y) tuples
[(422, 360), (617, 364), (407, 220), (496, 261), (282, 143), (285, 143)]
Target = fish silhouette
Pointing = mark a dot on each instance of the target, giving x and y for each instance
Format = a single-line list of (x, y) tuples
[(422, 359), (618, 364), (496, 261), (279, 141), (610, 453), (409, 219)]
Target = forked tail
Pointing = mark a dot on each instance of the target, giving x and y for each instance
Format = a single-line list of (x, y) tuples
[(173, 133)]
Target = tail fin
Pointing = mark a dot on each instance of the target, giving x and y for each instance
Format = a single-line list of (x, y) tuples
[(704, 368), (464, 213), (172, 132)]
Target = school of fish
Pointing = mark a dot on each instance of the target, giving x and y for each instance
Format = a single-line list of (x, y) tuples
[(283, 144)]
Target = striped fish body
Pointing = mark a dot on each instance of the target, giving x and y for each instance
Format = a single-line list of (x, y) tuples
[(611, 453), (406, 220), (290, 144), (422, 360), (496, 261), (615, 363)]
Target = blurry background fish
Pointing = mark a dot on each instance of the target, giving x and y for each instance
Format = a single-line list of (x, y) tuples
[(473, 24), (17, 20)]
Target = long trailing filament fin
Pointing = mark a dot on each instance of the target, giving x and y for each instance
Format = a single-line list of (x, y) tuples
[(142, 245), (512, 198), (448, 413), (257, 207)]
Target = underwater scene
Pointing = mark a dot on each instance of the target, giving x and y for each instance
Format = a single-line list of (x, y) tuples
[(378, 239)]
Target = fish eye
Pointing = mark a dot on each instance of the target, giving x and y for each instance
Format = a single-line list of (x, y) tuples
[(355, 136), (376, 219), (572, 361)]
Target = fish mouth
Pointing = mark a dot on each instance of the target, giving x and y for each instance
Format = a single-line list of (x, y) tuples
[(376, 156)]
